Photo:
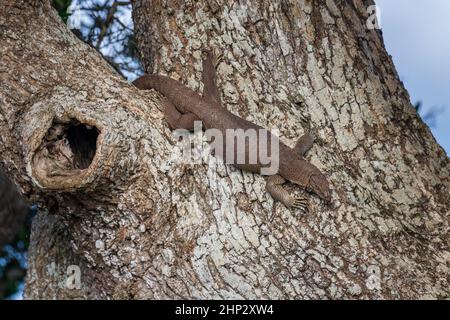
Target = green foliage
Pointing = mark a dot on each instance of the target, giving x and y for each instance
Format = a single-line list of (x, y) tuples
[(61, 6)]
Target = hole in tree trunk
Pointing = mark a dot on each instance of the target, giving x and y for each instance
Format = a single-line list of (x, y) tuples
[(70, 146), (83, 142)]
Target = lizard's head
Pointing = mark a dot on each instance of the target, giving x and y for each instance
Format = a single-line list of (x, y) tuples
[(320, 186)]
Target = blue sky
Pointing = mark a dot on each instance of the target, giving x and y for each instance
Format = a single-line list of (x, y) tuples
[(417, 35)]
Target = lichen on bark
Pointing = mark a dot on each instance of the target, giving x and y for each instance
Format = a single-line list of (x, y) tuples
[(141, 226)]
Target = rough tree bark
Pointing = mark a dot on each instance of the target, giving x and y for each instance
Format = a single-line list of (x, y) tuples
[(139, 225)]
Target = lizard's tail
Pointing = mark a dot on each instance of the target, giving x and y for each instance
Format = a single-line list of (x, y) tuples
[(181, 96)]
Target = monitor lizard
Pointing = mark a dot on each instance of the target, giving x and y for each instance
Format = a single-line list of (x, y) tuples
[(183, 106)]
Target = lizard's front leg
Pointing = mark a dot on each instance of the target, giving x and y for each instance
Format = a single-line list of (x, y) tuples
[(176, 119), (274, 186)]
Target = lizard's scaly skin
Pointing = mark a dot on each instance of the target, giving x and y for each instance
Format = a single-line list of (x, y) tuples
[(184, 106)]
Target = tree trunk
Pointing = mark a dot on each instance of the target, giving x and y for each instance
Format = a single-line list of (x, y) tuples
[(97, 154)]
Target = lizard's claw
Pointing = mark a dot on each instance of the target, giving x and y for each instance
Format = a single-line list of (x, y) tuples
[(299, 203), (217, 60), (214, 55)]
